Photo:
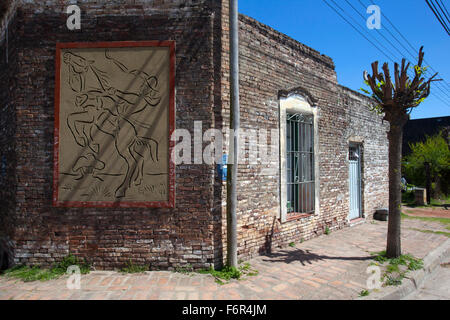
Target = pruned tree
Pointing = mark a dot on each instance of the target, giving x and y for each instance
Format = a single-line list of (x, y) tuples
[(396, 99)]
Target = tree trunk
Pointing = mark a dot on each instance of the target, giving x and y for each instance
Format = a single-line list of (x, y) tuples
[(395, 137), (437, 187), (428, 181)]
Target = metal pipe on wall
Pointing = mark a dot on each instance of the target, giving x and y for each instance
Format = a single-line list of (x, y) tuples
[(234, 146)]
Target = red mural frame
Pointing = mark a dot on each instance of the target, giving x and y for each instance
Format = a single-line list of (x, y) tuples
[(170, 203)]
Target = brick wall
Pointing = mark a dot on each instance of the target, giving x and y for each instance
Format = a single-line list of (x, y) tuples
[(271, 62), (195, 231), (370, 131), (163, 238), (8, 85)]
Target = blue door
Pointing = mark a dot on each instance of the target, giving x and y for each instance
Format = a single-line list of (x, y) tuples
[(355, 182)]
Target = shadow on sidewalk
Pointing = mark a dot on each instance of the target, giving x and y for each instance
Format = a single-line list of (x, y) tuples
[(306, 257)]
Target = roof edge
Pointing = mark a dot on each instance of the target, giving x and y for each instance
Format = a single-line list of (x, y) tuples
[(287, 40)]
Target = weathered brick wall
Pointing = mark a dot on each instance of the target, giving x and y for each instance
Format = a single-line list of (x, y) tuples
[(193, 232), (8, 67), (163, 238), (369, 130), (270, 62)]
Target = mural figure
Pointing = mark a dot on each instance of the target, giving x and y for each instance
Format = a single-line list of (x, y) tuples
[(88, 164), (112, 111)]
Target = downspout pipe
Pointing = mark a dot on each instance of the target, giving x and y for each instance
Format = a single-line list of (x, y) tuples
[(234, 143)]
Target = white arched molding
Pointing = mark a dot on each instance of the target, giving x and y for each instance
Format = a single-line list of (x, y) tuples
[(296, 103)]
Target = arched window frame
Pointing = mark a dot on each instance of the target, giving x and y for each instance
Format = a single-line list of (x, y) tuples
[(297, 101)]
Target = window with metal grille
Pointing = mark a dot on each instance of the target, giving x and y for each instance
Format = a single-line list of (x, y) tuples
[(300, 164)]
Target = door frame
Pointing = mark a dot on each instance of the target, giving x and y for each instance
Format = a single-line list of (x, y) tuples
[(358, 145)]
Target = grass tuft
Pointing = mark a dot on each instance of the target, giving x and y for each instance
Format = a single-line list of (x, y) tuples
[(187, 269), (227, 273), (364, 293), (445, 221), (447, 234), (132, 268), (396, 268), (36, 273)]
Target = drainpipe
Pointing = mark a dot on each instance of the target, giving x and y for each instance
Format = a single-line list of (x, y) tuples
[(234, 146)]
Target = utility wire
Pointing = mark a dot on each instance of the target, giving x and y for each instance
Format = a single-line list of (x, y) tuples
[(438, 16), (443, 86), (356, 29), (363, 28), (364, 18), (444, 12), (407, 41), (439, 12), (414, 50), (401, 53)]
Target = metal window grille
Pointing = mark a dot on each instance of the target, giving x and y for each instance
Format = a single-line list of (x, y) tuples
[(300, 164)]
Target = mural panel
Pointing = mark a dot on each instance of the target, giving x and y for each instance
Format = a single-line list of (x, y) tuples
[(114, 114)]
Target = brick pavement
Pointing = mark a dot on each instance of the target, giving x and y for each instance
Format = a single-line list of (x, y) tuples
[(327, 267), (437, 212)]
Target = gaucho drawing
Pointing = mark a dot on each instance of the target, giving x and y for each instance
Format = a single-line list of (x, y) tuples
[(100, 106)]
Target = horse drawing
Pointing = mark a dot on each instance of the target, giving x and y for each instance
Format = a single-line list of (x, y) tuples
[(109, 110)]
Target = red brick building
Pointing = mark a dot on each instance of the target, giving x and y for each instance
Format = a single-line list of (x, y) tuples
[(341, 152)]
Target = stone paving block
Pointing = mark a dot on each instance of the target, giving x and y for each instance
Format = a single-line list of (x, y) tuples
[(118, 288), (166, 295), (114, 295), (280, 287), (185, 288), (180, 295), (193, 296), (106, 281), (311, 283), (154, 295)]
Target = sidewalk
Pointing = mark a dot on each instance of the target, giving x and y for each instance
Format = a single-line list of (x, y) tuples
[(328, 267)]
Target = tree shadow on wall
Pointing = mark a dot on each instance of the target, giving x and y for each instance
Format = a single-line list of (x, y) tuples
[(266, 249)]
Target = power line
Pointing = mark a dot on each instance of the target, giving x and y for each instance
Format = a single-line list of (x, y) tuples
[(445, 9), (346, 20), (363, 27), (356, 29), (395, 38), (406, 40), (364, 18), (438, 16), (444, 12), (439, 12), (414, 50), (444, 84), (401, 53)]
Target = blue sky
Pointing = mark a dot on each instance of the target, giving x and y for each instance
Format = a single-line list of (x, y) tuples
[(315, 24)]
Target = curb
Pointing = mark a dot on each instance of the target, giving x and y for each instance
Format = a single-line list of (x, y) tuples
[(415, 279)]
